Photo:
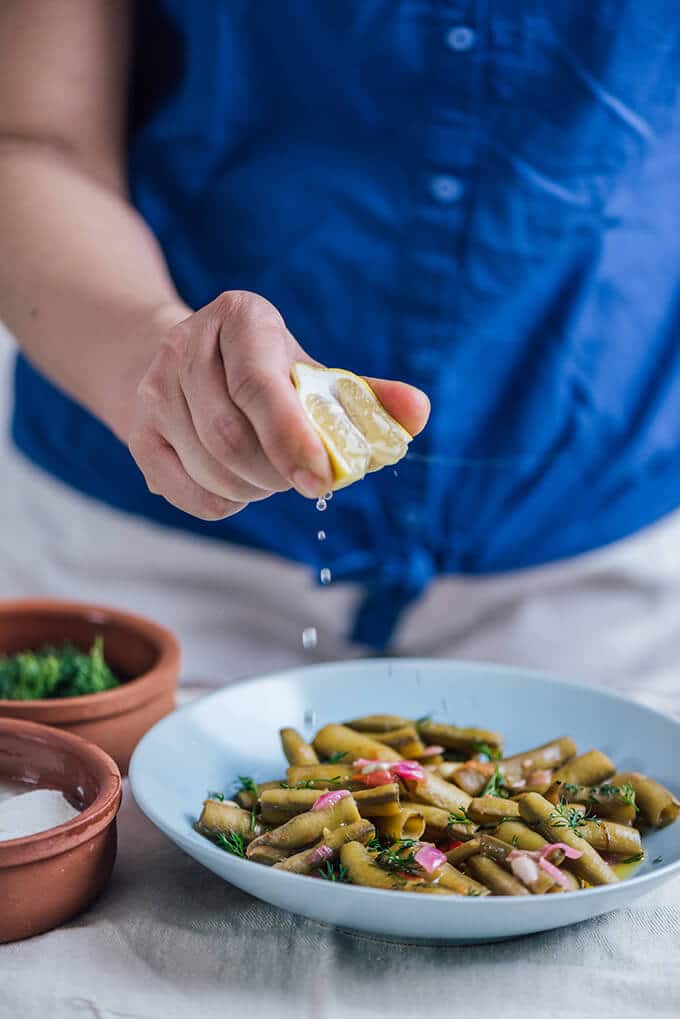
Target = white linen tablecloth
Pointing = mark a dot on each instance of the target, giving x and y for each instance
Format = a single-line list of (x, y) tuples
[(170, 940)]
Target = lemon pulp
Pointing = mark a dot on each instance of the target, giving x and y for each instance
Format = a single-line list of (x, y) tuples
[(358, 433)]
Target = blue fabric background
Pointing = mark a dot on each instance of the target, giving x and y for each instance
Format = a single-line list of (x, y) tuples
[(493, 216)]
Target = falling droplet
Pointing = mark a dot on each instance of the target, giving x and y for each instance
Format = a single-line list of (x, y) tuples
[(321, 505), (310, 718), (325, 575), (328, 496), (309, 637), (321, 535), (396, 473)]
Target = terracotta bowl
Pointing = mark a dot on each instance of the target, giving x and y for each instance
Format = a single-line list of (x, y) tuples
[(143, 654), (45, 879)]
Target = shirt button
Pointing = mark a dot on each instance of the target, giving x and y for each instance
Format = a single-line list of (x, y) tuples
[(446, 189), (461, 38)]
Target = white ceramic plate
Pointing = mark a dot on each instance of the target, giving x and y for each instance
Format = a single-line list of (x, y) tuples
[(234, 732)]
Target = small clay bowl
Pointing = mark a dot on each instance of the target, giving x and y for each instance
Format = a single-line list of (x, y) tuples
[(49, 877), (144, 655)]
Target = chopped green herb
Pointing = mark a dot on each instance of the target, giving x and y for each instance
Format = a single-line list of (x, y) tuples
[(564, 816), (634, 859), (491, 753), (423, 720), (55, 672), (337, 755), (496, 785), (514, 841), (392, 860), (381, 842), (217, 796), (459, 816), (333, 872), (658, 859), (473, 891), (248, 785), (233, 843)]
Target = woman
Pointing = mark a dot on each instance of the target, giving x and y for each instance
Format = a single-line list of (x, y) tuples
[(196, 195)]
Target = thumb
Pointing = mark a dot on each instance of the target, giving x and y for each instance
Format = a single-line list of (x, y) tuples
[(408, 405)]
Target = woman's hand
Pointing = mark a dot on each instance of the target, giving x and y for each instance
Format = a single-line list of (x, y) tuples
[(217, 422)]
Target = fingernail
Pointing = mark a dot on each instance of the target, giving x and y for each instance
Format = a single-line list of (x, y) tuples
[(308, 484)]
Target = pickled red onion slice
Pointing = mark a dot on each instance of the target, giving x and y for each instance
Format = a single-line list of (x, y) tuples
[(430, 858), (327, 800)]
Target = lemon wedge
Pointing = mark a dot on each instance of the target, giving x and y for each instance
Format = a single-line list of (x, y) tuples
[(358, 433)]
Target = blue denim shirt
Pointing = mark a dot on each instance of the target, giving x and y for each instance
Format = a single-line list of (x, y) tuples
[(481, 197)]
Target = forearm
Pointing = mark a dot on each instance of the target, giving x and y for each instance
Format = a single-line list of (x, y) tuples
[(83, 284)]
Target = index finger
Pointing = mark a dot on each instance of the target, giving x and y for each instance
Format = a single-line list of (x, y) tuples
[(258, 353)]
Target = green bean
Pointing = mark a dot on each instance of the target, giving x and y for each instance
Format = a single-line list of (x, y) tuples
[(445, 769), (590, 866), (611, 801), (378, 723), (381, 801), (462, 884), (548, 755), (494, 877), (405, 740), (657, 805), (470, 780), (307, 828), (461, 853), (590, 768), (336, 776), (408, 823), (499, 851), (610, 837), (296, 748), (520, 836), (492, 809), (454, 737), (270, 856), (247, 799), (225, 816), (441, 824), (339, 738), (438, 792), (328, 848), (363, 869), (279, 805)]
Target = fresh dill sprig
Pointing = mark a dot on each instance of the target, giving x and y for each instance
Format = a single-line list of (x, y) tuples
[(634, 859), (496, 785), (381, 842), (337, 755), (388, 854), (564, 816), (491, 753), (331, 872), (459, 816), (233, 842)]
